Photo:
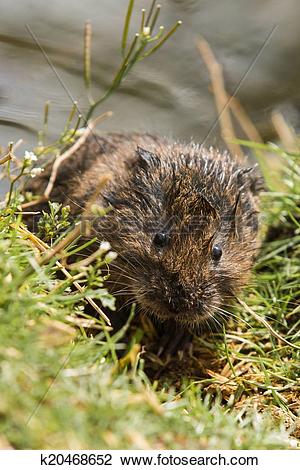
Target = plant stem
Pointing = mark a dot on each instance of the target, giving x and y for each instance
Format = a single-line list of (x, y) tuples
[(87, 59), (150, 13), (126, 25), (164, 39)]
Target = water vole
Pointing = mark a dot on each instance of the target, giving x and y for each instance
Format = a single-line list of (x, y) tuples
[(184, 223)]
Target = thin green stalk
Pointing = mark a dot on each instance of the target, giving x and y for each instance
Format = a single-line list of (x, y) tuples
[(156, 15), (227, 353), (13, 183), (150, 13), (87, 59), (42, 133), (9, 152), (136, 57), (142, 21), (116, 82), (126, 26), (157, 36), (69, 120), (136, 49), (162, 42), (76, 126)]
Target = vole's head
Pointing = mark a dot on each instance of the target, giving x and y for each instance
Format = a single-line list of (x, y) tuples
[(184, 224)]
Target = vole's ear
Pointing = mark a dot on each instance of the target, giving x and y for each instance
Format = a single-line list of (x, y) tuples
[(252, 178), (145, 159)]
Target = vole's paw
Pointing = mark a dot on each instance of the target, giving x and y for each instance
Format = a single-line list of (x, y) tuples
[(174, 340)]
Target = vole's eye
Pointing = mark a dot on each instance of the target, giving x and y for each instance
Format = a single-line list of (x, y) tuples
[(216, 252), (161, 239)]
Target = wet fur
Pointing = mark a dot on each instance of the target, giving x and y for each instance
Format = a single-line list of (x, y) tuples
[(199, 197)]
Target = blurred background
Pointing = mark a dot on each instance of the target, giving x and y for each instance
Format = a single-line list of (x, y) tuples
[(169, 92)]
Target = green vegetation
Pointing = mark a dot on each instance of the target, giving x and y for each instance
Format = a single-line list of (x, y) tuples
[(63, 388)]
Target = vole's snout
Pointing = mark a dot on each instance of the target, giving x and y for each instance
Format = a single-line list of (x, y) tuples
[(176, 298)]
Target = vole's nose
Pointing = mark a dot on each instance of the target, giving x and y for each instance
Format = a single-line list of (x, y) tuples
[(176, 299)]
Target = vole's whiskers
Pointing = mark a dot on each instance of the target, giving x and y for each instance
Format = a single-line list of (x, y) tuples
[(229, 315), (134, 258), (119, 267), (123, 292), (68, 197), (118, 283), (124, 275), (214, 320)]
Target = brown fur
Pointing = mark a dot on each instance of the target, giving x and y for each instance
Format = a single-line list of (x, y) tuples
[(196, 197)]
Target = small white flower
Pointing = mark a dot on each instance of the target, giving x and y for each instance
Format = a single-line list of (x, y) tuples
[(30, 157), (104, 246), (111, 256), (36, 172), (146, 30)]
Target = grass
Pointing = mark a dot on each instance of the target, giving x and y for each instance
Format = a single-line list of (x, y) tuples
[(63, 388)]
